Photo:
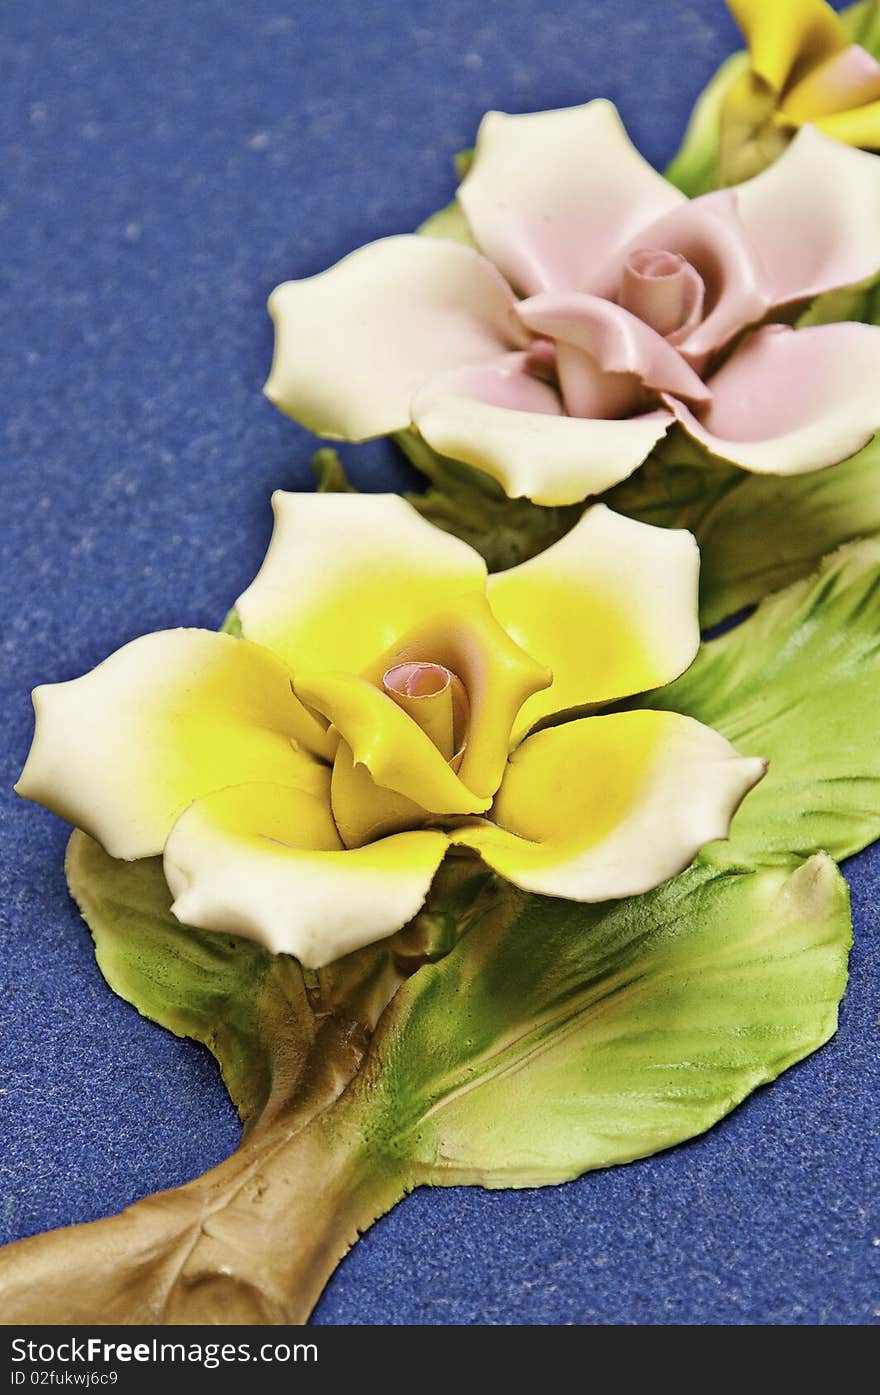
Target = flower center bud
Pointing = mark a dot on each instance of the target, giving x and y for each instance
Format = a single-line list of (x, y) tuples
[(436, 700), (663, 290)]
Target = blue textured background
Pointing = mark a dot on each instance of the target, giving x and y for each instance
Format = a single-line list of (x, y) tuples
[(163, 165)]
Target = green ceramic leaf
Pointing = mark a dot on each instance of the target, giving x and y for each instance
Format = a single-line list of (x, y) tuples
[(228, 993), (473, 506), (798, 682), (862, 24), (232, 624), (756, 532), (449, 222), (330, 476), (565, 1037), (693, 169), (553, 1038), (256, 1012), (861, 302)]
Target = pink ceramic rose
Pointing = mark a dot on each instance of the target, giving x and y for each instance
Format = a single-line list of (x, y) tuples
[(601, 306)]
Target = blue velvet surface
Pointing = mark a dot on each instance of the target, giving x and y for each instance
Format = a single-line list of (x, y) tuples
[(163, 166)]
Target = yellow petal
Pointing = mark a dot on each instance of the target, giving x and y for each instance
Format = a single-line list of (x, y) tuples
[(849, 80), (611, 609), (498, 675), (749, 138), (788, 37), (395, 750), (347, 574), (860, 127), (172, 716), (611, 806), (364, 811), (250, 861), (285, 816)]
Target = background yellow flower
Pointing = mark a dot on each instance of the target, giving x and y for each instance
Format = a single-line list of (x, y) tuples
[(802, 70)]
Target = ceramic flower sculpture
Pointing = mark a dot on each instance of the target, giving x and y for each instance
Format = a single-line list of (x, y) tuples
[(602, 306), (467, 873), (305, 780)]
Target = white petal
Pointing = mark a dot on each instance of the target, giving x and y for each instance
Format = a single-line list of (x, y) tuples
[(814, 217), (346, 575), (551, 195), (353, 344), (536, 453), (123, 750), (612, 806), (230, 870)]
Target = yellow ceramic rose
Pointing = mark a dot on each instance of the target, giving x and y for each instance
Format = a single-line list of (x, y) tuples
[(388, 700)]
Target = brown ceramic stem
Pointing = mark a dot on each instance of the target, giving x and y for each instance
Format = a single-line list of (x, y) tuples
[(252, 1241)]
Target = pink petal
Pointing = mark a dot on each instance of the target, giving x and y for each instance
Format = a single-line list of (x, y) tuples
[(791, 401), (814, 217), (416, 680), (353, 344), (709, 235), (517, 381), (664, 290), (597, 341), (551, 194)]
